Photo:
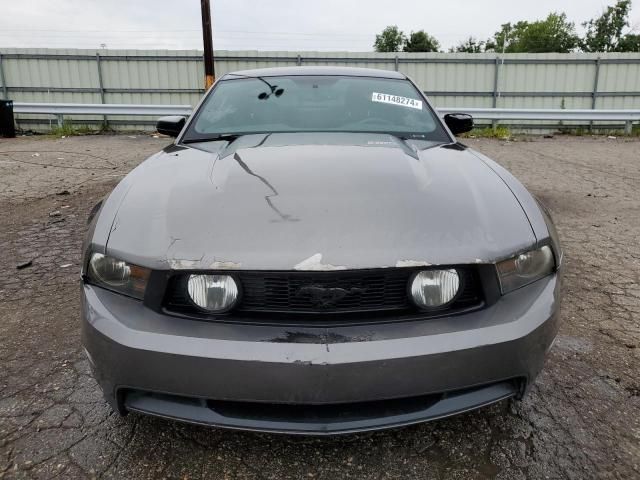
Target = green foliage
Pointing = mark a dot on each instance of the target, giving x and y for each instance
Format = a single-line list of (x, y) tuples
[(604, 33), (553, 34), (67, 130), (556, 34), (506, 37), (390, 40), (629, 43), (471, 45), (421, 41), (499, 131)]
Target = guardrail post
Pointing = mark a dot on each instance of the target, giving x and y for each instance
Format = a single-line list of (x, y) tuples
[(397, 60), (594, 92), (60, 117), (99, 67), (4, 82), (298, 60), (628, 127)]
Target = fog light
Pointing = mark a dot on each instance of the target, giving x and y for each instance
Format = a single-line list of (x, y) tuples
[(435, 288), (214, 293)]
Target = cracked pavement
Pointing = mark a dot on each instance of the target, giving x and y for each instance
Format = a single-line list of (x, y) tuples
[(581, 419)]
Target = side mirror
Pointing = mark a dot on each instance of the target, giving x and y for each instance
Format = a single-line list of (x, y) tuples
[(171, 125), (458, 122)]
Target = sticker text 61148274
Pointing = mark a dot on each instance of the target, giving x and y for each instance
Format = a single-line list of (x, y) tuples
[(396, 100)]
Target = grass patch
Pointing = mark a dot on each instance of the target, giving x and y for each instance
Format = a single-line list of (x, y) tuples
[(68, 130), (499, 131)]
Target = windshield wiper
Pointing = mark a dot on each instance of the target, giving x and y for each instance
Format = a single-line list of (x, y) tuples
[(229, 137), (264, 95)]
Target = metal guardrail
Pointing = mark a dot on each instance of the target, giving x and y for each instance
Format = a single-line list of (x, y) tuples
[(61, 109), (544, 114)]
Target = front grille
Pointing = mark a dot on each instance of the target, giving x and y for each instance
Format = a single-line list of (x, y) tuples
[(300, 291), (384, 291)]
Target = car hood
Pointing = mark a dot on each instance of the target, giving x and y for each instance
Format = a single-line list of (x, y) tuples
[(315, 202)]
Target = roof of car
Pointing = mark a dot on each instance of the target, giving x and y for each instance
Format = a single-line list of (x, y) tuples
[(346, 71)]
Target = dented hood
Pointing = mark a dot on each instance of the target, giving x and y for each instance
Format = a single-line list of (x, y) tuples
[(315, 201)]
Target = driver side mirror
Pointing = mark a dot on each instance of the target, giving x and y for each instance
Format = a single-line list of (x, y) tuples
[(171, 125), (458, 122)]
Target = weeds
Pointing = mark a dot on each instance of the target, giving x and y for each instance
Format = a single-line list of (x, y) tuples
[(502, 132), (68, 129), (499, 131)]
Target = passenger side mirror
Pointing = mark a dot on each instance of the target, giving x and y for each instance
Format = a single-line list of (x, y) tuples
[(171, 125), (458, 122)]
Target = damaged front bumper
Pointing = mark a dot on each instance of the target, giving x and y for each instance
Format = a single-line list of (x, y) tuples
[(312, 380)]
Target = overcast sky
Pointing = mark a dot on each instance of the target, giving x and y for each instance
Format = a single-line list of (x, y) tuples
[(269, 24)]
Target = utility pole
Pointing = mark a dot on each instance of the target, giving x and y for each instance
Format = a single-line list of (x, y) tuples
[(207, 40)]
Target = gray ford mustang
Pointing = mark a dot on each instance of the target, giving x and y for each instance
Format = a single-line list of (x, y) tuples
[(317, 254)]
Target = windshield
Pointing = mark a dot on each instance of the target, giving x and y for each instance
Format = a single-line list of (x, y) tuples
[(286, 104)]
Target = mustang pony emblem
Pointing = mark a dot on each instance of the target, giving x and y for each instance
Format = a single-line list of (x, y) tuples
[(324, 297)]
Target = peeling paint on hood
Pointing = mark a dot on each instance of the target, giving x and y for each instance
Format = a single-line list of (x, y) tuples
[(179, 264), (412, 263), (314, 263), (225, 265)]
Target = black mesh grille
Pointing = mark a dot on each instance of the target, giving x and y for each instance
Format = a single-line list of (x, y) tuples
[(316, 293), (309, 292)]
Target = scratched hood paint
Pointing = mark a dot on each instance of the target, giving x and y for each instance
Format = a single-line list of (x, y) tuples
[(322, 201)]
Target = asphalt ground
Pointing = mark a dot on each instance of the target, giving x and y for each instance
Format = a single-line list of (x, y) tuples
[(581, 419)]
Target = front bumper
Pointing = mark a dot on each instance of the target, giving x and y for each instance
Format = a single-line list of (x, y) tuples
[(316, 380)]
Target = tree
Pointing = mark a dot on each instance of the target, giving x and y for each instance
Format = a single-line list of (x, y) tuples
[(421, 41), (390, 40), (470, 45), (604, 34), (508, 34), (553, 34), (629, 43)]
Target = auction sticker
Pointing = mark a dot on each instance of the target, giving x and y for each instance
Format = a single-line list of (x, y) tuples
[(396, 100)]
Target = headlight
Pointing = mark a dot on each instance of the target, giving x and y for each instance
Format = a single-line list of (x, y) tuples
[(434, 288), (118, 275), (214, 293), (525, 268)]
